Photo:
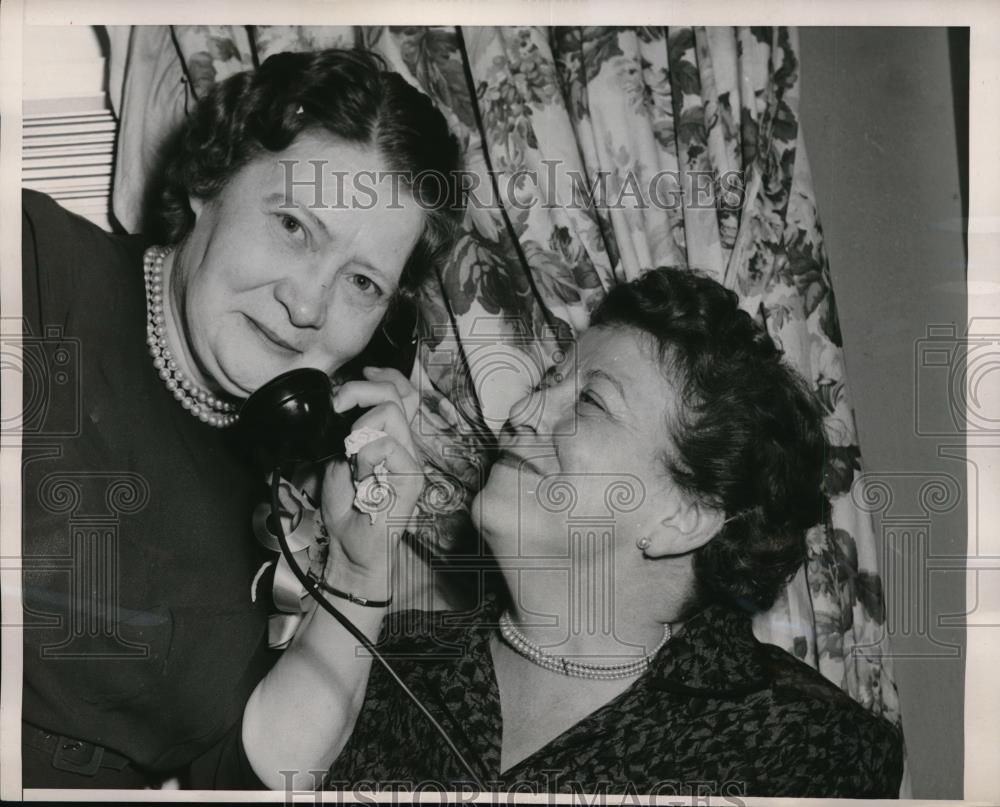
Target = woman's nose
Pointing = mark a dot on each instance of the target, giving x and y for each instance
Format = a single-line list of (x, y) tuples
[(542, 409), (305, 298)]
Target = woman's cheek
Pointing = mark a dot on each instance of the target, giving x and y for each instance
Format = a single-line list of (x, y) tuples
[(345, 339)]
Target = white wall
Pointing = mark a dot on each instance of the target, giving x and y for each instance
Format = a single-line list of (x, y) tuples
[(63, 61)]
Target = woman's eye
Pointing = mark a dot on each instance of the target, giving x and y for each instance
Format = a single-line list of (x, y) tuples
[(290, 225), (366, 285), (587, 398)]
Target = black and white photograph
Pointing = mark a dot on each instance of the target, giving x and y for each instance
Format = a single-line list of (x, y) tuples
[(562, 403)]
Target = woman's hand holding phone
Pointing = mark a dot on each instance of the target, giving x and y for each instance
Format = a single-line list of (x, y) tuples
[(363, 550)]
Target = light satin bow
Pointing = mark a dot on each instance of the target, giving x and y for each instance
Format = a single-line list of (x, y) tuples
[(309, 544)]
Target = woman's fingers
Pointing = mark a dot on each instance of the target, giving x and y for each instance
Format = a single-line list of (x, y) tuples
[(388, 418), (381, 385), (404, 388), (360, 543), (337, 491), (391, 456), (360, 550), (394, 453), (365, 394)]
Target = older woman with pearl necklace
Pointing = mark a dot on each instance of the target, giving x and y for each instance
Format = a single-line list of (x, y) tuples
[(146, 650)]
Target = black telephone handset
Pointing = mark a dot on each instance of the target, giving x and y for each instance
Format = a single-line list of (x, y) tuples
[(290, 419)]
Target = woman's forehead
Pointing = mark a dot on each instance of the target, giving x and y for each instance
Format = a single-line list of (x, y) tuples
[(629, 360), (615, 350), (327, 173)]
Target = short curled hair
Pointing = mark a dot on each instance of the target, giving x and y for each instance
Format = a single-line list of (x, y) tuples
[(347, 93), (748, 436)]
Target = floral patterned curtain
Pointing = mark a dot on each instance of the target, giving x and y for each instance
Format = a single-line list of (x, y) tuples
[(711, 114)]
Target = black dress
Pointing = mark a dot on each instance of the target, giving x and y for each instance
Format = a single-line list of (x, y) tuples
[(141, 644)]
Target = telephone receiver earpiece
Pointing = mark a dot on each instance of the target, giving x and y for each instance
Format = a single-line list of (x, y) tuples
[(290, 419)]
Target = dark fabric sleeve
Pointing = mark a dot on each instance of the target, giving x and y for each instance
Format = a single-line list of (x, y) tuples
[(850, 756), (33, 207), (224, 766), (886, 769)]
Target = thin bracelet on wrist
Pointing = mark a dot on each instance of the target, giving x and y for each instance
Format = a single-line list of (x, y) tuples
[(346, 595)]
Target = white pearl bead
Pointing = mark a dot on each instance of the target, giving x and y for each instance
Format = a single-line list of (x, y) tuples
[(200, 402), (564, 666)]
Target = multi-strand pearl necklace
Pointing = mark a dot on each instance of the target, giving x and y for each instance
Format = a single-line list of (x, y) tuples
[(575, 669), (199, 402)]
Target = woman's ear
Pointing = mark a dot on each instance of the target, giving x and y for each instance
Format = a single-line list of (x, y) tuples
[(692, 526), (196, 204)]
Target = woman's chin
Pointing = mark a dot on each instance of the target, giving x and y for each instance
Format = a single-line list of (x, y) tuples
[(242, 389), (239, 380), (475, 511), (485, 514)]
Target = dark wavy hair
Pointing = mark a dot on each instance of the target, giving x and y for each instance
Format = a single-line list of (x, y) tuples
[(748, 435), (347, 93)]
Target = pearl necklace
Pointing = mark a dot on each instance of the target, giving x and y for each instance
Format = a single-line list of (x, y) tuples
[(199, 402), (575, 669)]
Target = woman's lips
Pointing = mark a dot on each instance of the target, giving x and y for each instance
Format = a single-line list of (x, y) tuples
[(271, 336)]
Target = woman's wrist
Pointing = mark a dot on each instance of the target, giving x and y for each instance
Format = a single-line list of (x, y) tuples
[(353, 582), (353, 596)]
